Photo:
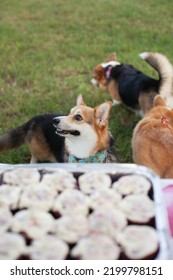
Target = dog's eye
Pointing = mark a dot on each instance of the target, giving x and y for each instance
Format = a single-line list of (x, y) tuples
[(78, 117)]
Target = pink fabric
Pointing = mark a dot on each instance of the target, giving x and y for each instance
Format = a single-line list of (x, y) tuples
[(108, 72), (168, 195)]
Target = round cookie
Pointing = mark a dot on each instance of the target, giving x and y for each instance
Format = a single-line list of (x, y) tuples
[(71, 202), (108, 221), (59, 181), (34, 223), (21, 177), (138, 208), (132, 184), (9, 196), (96, 247), (94, 180), (12, 245), (37, 196), (139, 242), (71, 228), (104, 198), (48, 247)]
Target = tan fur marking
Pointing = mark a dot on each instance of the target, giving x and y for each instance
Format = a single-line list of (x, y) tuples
[(39, 149), (103, 138), (85, 111), (113, 91), (158, 101), (146, 101), (98, 74), (111, 57), (152, 141), (102, 131)]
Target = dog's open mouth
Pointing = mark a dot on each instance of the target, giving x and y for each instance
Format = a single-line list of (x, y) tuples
[(66, 132)]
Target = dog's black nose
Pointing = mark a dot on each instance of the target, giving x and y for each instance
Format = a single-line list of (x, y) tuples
[(56, 121)]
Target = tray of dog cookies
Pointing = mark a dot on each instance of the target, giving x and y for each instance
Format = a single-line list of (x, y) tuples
[(82, 211)]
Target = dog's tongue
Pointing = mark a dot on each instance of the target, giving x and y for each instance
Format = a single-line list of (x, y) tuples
[(168, 194)]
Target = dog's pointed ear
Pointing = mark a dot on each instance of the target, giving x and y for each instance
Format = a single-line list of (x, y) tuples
[(111, 57), (80, 100), (102, 113), (158, 101)]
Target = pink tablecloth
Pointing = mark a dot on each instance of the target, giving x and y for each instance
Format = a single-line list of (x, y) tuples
[(168, 195), (167, 187)]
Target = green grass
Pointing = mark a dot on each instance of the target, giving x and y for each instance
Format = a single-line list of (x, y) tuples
[(48, 50)]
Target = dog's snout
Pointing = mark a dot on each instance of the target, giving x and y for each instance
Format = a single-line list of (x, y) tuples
[(56, 121)]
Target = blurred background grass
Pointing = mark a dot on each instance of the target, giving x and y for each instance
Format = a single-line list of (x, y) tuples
[(49, 48)]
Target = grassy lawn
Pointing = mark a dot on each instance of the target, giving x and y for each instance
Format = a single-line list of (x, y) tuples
[(49, 48)]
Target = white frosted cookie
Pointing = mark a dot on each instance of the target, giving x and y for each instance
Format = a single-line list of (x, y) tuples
[(48, 247), (104, 198), (21, 176), (138, 208), (139, 242), (35, 223), (9, 196), (94, 180), (96, 247), (108, 221), (71, 228), (12, 245), (5, 219), (71, 202), (37, 196), (59, 181), (132, 184)]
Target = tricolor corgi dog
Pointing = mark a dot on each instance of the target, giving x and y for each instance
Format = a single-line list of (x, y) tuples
[(87, 137), (82, 136), (130, 86), (152, 140)]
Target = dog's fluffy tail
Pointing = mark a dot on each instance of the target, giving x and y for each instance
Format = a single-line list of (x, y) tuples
[(165, 69), (13, 139)]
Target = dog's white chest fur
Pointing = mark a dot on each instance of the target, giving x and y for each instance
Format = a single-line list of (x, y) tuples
[(83, 145)]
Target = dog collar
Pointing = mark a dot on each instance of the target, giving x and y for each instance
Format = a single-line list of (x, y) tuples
[(108, 72), (109, 65), (99, 157)]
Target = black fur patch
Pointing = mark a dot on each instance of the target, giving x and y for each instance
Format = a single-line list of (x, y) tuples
[(44, 124), (131, 83)]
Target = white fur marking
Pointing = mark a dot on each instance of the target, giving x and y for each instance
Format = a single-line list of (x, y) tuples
[(115, 102), (143, 55), (94, 82), (162, 65), (110, 63), (81, 146), (61, 117)]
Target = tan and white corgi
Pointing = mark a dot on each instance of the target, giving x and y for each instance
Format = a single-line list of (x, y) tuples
[(83, 136), (87, 138)]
